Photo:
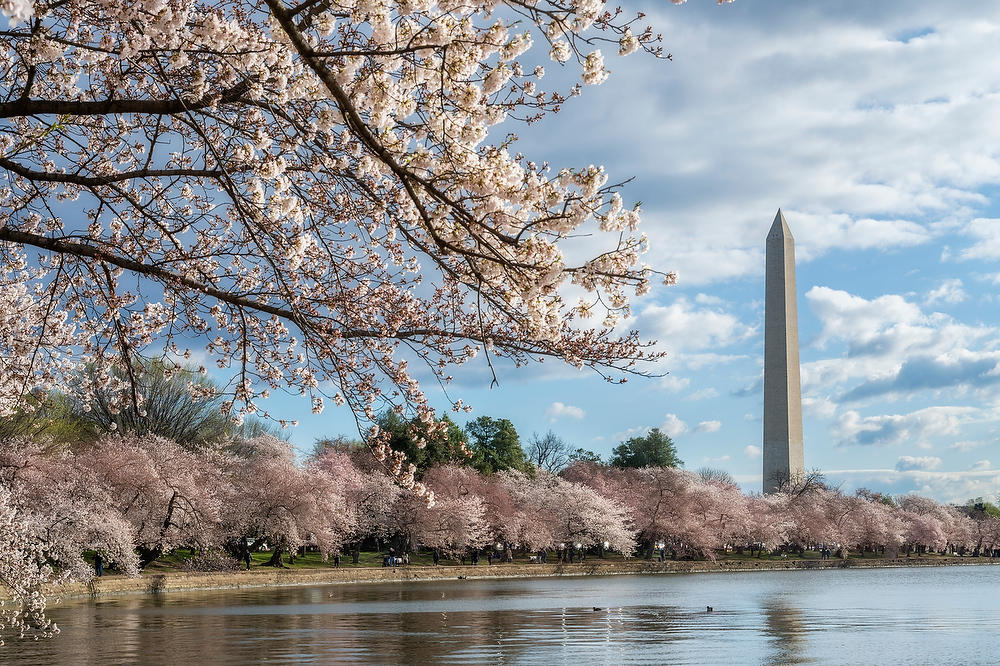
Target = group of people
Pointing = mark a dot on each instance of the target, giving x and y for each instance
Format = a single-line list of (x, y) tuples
[(392, 560)]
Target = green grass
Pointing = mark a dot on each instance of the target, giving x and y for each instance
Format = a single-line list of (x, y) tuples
[(367, 559)]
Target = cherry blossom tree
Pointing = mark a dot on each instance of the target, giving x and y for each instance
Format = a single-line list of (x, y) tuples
[(170, 495), (568, 512), (770, 524), (457, 522), (274, 500), (304, 192), (370, 496), (71, 513), (24, 570)]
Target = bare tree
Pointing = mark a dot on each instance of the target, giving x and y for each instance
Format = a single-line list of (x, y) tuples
[(549, 451), (716, 475), (803, 483)]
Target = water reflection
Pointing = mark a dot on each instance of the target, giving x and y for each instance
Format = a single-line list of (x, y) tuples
[(785, 628), (761, 618)]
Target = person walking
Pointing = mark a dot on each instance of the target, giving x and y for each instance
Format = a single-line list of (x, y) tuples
[(98, 565)]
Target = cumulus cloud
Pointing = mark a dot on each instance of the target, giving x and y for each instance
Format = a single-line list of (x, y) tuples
[(986, 235), (703, 394), (950, 291), (909, 463), (708, 426), (915, 427), (981, 465), (968, 369), (752, 451), (558, 410), (894, 348), (944, 486), (822, 407), (673, 383), (683, 326), (673, 426)]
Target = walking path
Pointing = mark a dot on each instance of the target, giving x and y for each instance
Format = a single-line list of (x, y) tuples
[(155, 583)]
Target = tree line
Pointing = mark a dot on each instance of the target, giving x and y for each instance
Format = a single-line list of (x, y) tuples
[(134, 497)]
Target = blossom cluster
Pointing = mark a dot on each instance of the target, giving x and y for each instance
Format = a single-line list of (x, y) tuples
[(307, 193)]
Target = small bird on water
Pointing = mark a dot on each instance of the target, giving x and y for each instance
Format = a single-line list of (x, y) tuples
[(709, 609)]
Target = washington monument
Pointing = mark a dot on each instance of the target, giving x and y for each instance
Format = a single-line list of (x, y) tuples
[(783, 461)]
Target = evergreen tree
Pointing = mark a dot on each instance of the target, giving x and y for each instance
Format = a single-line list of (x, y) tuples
[(654, 450), (496, 446)]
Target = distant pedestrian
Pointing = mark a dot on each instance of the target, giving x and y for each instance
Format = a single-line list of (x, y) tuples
[(336, 560), (98, 565), (246, 555), (437, 556)]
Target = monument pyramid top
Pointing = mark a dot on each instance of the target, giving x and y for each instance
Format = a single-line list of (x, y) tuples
[(779, 229)]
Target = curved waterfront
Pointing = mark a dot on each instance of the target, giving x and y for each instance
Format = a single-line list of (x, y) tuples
[(941, 615)]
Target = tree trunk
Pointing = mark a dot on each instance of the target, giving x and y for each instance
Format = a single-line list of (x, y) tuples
[(275, 560), (148, 555)]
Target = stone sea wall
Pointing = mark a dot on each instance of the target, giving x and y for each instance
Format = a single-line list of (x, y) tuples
[(158, 583)]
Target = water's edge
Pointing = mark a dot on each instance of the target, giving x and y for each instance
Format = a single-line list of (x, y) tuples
[(264, 578)]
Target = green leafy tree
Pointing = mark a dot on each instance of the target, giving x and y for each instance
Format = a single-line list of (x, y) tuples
[(653, 450), (980, 509), (405, 436), (47, 417), (496, 446), (583, 455)]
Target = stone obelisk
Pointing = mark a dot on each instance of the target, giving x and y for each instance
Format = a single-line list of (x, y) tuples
[(783, 461)]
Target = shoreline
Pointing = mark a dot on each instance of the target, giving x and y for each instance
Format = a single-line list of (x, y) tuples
[(160, 583)]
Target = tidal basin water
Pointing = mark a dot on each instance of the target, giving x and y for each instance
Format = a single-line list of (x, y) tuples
[(933, 615)]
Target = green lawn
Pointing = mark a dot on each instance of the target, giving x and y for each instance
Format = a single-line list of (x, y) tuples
[(174, 560)]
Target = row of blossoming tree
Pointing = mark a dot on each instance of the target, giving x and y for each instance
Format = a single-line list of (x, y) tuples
[(136, 498)]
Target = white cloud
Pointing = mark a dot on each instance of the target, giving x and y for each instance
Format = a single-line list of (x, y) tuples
[(707, 299), (986, 233), (950, 291), (822, 407), (703, 394), (966, 445), (752, 451), (557, 410), (709, 426), (673, 426), (981, 465), (673, 383), (698, 361), (712, 461), (914, 428), (857, 320), (895, 349), (910, 463), (630, 433), (944, 486), (682, 326)]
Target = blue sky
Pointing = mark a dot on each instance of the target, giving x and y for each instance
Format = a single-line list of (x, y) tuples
[(873, 126)]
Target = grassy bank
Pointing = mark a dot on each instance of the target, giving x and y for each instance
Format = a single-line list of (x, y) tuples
[(165, 578)]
